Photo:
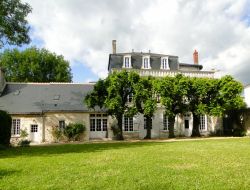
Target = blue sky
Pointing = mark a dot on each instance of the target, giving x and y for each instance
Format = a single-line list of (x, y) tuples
[(82, 31)]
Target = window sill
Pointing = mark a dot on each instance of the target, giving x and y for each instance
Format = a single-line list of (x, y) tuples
[(15, 136)]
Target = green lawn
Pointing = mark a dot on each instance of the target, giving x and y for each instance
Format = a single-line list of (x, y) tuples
[(205, 164)]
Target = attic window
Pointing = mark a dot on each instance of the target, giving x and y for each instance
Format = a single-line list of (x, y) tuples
[(127, 61), (56, 97), (146, 62), (164, 63)]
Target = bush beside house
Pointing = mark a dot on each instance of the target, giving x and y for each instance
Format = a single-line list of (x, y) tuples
[(5, 128)]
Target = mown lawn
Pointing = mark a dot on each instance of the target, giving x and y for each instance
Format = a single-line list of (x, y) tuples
[(205, 164)]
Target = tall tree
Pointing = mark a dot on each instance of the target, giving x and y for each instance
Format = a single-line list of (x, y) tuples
[(173, 92), (112, 94), (145, 101), (13, 24), (34, 65), (213, 97)]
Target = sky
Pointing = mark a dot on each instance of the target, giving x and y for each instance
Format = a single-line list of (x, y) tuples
[(82, 31)]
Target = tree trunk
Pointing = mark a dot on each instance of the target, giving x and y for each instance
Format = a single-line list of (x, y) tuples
[(171, 121), (149, 127), (119, 134), (196, 124)]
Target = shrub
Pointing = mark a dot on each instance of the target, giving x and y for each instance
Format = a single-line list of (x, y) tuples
[(73, 131), (56, 133), (24, 143), (23, 134), (5, 128)]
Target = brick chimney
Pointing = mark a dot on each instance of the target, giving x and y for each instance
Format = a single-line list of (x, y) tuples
[(2, 81), (196, 57), (114, 46)]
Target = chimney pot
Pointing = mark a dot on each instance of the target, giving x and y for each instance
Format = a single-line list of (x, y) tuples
[(114, 46), (196, 57)]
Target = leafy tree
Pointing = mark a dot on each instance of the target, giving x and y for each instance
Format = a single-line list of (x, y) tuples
[(199, 96), (13, 24), (5, 128), (213, 97), (112, 94), (145, 101), (34, 65), (173, 92)]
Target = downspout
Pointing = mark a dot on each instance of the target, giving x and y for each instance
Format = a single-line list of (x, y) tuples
[(43, 127)]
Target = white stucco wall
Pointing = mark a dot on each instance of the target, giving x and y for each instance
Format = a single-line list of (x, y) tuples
[(25, 124)]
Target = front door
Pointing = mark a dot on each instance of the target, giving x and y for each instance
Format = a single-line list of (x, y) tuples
[(34, 137)]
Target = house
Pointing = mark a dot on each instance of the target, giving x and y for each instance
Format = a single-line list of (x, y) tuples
[(38, 107)]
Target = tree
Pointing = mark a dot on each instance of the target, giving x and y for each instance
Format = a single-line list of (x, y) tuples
[(173, 92), (34, 65), (112, 94), (5, 128), (13, 24), (213, 97), (145, 101), (199, 96)]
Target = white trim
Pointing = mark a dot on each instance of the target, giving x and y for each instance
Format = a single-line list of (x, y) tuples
[(125, 57), (146, 57), (165, 67), (205, 120)]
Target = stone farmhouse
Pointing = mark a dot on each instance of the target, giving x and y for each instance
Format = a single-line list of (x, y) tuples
[(38, 107)]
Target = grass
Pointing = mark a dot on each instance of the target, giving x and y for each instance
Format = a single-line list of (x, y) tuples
[(205, 164)]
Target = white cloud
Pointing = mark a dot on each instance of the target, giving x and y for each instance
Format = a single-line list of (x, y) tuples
[(82, 30)]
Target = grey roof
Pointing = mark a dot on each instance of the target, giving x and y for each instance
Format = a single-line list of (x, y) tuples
[(35, 98), (116, 61)]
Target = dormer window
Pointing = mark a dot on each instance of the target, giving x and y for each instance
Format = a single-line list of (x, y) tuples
[(164, 63), (127, 61), (146, 62)]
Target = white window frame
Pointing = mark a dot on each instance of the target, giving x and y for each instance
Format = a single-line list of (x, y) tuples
[(165, 122), (203, 123), (125, 63), (16, 127), (128, 124), (33, 128), (98, 122), (164, 63), (130, 98), (61, 124), (143, 65)]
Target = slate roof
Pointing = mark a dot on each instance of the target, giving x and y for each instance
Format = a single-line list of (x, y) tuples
[(116, 61), (35, 98)]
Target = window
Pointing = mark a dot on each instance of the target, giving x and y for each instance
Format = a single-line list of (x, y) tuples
[(158, 98), (164, 63), (165, 122), (145, 123), (61, 125), (130, 96), (105, 124), (128, 124), (203, 123), (34, 128), (15, 130), (98, 122), (127, 61), (146, 62)]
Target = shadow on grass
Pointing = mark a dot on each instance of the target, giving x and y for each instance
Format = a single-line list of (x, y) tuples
[(70, 148), (4, 173)]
